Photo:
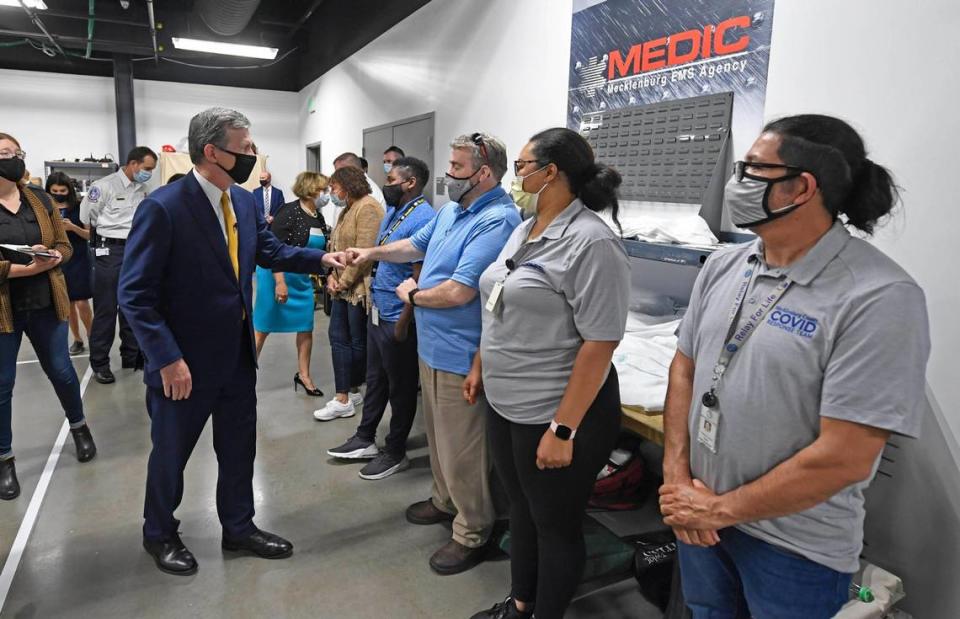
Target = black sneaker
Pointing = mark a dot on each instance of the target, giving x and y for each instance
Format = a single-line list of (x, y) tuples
[(383, 466), (354, 449), (504, 610), (77, 347)]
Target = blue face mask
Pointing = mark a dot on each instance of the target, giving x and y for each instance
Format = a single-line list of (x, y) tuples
[(142, 176), (337, 201), (387, 167)]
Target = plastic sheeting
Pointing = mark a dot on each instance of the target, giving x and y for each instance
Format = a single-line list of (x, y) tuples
[(643, 360)]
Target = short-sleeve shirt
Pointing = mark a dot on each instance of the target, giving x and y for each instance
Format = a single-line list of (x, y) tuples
[(110, 204), (848, 340), (390, 275), (570, 285), (459, 243)]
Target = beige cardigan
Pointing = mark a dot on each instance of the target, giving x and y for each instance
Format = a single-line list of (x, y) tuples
[(357, 226)]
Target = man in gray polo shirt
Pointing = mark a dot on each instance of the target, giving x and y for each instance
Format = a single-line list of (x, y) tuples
[(799, 355)]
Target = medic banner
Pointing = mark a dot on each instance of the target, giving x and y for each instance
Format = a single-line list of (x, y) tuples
[(634, 52)]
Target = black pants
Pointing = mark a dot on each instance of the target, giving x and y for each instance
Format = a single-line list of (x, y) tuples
[(106, 276), (393, 373), (547, 551)]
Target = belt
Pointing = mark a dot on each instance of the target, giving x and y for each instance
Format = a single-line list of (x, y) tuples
[(108, 241)]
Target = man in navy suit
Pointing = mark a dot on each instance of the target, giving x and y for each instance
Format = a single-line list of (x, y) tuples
[(269, 199), (186, 291)]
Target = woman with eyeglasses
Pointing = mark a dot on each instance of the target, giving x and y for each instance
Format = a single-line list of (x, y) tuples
[(555, 308), (33, 301), (79, 270), (800, 354)]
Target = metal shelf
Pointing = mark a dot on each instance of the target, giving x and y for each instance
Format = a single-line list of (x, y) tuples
[(680, 254), (82, 165)]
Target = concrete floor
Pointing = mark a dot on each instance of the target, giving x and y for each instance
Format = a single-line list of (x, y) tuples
[(355, 555)]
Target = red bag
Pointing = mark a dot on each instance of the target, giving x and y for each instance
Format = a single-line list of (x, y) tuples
[(621, 486)]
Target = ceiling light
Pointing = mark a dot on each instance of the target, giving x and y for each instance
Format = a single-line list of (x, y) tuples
[(229, 49), (40, 5)]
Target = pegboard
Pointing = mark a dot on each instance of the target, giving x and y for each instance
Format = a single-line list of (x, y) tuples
[(665, 152)]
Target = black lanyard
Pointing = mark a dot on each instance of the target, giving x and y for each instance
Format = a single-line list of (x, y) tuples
[(403, 216), (396, 224)]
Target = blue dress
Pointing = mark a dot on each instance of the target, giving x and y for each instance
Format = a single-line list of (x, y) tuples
[(293, 226), (78, 271)]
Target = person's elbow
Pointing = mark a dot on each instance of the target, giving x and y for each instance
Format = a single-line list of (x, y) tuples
[(682, 368), (460, 294)]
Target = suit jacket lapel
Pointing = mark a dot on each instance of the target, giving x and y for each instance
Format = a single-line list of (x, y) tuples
[(202, 212)]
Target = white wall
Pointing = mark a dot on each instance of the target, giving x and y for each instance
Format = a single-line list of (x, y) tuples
[(498, 66), (57, 115), (875, 65), (501, 66)]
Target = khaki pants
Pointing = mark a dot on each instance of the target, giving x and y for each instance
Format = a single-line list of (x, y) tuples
[(459, 458)]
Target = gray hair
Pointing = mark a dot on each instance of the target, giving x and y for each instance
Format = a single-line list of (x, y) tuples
[(210, 127), (496, 152)]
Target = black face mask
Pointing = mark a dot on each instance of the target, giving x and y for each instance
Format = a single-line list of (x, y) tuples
[(393, 194), (242, 167), (12, 169), (60, 197), (264, 183)]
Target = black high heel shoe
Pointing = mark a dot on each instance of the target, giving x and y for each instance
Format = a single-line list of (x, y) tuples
[(314, 392)]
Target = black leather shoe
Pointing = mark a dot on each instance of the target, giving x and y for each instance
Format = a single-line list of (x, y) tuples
[(263, 544), (9, 486), (104, 376), (86, 448), (135, 363), (453, 558), (171, 556)]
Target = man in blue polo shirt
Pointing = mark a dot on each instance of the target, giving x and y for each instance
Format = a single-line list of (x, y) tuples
[(457, 246), (391, 349)]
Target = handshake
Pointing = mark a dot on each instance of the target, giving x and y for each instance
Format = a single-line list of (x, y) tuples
[(348, 258)]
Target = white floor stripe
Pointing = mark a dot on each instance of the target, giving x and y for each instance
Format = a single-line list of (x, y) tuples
[(29, 361), (33, 510)]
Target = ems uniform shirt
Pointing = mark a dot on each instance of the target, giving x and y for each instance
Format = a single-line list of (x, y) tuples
[(110, 204), (848, 340), (570, 285)]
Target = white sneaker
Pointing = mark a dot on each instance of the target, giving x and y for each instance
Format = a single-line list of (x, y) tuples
[(356, 399), (334, 410)]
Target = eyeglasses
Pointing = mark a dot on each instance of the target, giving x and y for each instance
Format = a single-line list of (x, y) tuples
[(477, 138), (519, 163), (10, 154), (740, 170)]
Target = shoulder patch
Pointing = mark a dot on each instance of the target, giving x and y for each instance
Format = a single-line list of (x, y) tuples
[(94, 194)]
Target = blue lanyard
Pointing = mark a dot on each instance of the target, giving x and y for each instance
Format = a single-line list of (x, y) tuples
[(737, 336)]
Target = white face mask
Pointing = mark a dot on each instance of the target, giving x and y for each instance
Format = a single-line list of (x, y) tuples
[(524, 199)]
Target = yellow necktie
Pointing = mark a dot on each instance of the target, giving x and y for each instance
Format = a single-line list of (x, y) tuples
[(230, 223)]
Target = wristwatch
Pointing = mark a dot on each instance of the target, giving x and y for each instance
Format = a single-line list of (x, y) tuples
[(562, 432), (412, 294)]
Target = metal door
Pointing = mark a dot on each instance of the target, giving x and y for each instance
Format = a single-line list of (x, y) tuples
[(375, 141), (313, 157), (416, 140)]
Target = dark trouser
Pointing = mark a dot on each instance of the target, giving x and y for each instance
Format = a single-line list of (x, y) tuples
[(348, 344), (175, 428), (393, 374), (744, 577), (48, 335), (547, 551), (106, 276)]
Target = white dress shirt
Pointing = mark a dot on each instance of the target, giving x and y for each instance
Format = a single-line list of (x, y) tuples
[(213, 194)]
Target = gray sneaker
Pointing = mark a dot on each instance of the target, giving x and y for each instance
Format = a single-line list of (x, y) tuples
[(383, 466), (354, 449)]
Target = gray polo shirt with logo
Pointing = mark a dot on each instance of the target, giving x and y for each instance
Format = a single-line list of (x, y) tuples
[(848, 340), (570, 285)]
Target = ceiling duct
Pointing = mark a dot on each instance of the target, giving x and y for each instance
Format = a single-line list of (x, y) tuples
[(227, 18)]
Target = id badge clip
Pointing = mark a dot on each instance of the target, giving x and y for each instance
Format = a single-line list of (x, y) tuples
[(496, 297), (375, 316), (708, 427)]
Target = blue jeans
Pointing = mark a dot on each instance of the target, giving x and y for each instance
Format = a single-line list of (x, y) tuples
[(743, 577), (48, 335), (348, 344)]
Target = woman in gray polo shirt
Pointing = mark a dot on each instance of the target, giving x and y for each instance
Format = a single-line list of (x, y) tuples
[(555, 308)]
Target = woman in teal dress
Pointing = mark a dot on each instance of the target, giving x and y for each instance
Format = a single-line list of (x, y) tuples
[(284, 301)]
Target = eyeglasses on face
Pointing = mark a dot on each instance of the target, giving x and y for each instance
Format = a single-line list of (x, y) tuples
[(10, 154), (742, 169), (519, 163)]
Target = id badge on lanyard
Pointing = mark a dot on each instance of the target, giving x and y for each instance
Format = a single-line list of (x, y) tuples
[(738, 332)]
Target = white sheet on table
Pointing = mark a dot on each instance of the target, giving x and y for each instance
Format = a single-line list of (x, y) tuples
[(643, 360), (677, 227)]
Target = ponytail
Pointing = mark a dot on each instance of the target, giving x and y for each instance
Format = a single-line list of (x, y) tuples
[(594, 183), (872, 196)]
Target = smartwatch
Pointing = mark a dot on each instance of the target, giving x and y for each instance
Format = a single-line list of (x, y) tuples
[(412, 294), (562, 432)]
